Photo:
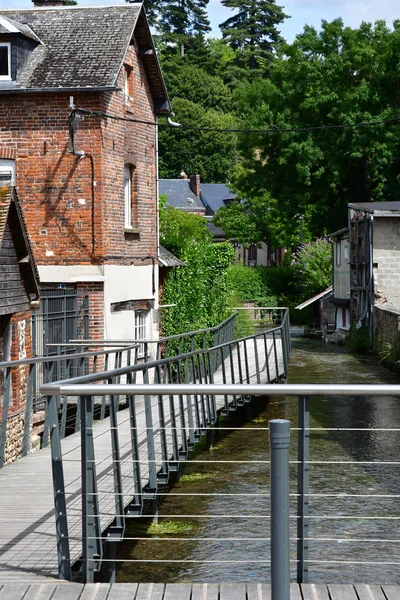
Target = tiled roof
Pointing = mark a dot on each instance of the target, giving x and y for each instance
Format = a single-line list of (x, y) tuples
[(213, 196), (179, 194), (9, 26), (167, 259), (83, 47)]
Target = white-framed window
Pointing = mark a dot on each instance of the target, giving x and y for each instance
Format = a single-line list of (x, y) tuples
[(141, 328), (5, 60), (128, 197), (346, 252), (127, 84), (7, 172)]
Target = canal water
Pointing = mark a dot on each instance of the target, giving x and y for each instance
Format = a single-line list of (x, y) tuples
[(352, 536)]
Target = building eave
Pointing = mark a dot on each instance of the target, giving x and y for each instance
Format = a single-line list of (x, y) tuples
[(321, 296)]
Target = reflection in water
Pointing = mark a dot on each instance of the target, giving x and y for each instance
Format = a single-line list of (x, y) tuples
[(245, 514)]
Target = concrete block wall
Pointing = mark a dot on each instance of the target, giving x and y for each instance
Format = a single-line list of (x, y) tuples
[(386, 259)]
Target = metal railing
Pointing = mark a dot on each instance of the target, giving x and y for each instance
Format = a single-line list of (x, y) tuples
[(150, 439), (22, 379), (133, 474), (177, 344)]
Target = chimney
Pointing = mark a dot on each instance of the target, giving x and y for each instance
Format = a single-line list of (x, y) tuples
[(50, 3), (195, 184)]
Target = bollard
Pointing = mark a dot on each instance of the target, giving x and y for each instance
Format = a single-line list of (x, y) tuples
[(279, 437)]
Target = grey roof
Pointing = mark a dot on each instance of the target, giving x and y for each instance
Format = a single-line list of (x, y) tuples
[(167, 259), (9, 26), (321, 296), (215, 231), (179, 195), (377, 208), (340, 233), (84, 47), (214, 194)]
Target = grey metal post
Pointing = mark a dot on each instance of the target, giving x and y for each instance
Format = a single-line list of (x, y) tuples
[(91, 529), (303, 453), (279, 436), (28, 410), (60, 504), (4, 417)]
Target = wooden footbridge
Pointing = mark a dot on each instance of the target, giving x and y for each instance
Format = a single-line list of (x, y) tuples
[(64, 508), (124, 447)]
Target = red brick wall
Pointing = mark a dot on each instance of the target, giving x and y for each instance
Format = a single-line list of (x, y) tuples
[(130, 142), (96, 308)]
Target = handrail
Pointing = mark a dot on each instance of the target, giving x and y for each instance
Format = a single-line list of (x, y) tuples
[(59, 357), (100, 376), (288, 389), (171, 337)]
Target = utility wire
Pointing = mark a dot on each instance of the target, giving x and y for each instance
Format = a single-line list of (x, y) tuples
[(274, 129)]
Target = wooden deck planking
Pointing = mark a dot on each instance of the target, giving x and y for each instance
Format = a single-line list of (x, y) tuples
[(27, 528), (187, 591), (369, 592)]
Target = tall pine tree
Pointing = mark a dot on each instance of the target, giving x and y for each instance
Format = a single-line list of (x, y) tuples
[(252, 31), (182, 21)]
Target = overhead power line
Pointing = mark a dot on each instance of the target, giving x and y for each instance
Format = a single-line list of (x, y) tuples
[(274, 129)]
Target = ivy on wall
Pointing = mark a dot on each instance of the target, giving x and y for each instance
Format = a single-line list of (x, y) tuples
[(199, 289)]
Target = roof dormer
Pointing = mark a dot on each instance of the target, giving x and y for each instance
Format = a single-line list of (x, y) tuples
[(17, 40)]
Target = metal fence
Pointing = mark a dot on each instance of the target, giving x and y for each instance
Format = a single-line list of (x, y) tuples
[(21, 404), (137, 463), (124, 461)]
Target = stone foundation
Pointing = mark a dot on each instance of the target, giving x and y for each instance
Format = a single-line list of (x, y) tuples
[(387, 327)]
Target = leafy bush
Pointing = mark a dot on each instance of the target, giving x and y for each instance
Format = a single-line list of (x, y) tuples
[(358, 340), (247, 285)]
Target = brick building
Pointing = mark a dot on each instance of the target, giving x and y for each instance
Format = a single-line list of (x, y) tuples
[(87, 181)]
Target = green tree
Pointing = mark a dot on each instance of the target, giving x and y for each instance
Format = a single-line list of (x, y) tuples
[(181, 21), (209, 153), (252, 31), (312, 264), (332, 77), (191, 82)]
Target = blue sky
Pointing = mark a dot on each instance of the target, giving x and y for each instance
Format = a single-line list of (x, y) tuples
[(302, 12)]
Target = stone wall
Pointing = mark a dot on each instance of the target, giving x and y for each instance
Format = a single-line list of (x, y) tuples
[(387, 327)]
